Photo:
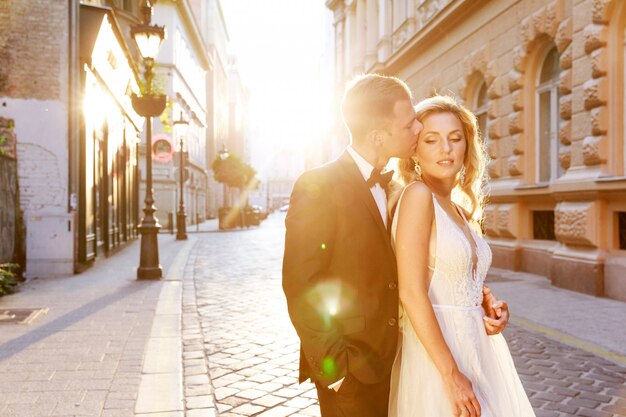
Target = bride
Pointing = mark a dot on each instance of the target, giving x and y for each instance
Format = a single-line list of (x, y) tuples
[(446, 363)]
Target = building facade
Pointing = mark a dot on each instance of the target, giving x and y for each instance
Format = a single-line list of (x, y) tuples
[(546, 81), (76, 133), (218, 107), (182, 65)]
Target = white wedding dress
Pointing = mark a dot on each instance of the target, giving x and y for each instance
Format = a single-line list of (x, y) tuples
[(416, 385)]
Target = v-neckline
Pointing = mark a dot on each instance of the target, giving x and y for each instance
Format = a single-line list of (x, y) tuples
[(472, 247)]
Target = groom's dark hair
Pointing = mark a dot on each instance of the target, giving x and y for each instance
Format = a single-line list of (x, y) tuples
[(368, 103)]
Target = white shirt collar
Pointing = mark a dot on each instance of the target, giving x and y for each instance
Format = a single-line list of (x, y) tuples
[(364, 166)]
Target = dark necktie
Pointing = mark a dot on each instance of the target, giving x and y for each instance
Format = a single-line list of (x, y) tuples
[(377, 178)]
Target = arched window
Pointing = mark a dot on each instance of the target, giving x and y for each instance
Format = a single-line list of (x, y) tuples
[(547, 151), (480, 109)]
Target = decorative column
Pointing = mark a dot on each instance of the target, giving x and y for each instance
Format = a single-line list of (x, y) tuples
[(360, 37), (350, 38), (371, 35), (383, 47), (339, 50)]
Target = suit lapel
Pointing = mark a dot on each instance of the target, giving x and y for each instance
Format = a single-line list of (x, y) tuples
[(363, 193)]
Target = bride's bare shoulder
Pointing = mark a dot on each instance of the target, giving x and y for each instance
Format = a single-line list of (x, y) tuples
[(417, 195)]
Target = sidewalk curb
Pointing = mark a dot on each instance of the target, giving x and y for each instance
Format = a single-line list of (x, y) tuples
[(199, 393), (161, 386)]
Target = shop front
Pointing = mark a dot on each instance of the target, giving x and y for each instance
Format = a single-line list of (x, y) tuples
[(108, 197)]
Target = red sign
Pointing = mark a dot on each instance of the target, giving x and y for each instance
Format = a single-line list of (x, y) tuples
[(162, 148)]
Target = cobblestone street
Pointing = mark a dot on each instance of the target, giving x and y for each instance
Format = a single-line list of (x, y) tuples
[(253, 350)]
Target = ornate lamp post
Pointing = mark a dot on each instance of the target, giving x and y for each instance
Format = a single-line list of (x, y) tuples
[(180, 126), (148, 38)]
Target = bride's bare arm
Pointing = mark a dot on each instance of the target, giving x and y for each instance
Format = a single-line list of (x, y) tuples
[(412, 251)]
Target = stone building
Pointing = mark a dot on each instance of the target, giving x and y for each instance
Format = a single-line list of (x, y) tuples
[(76, 133), (546, 80), (218, 107), (182, 67)]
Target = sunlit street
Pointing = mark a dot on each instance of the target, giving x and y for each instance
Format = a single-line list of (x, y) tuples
[(322, 208)]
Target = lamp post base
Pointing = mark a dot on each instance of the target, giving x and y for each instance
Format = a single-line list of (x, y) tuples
[(181, 226), (149, 266)]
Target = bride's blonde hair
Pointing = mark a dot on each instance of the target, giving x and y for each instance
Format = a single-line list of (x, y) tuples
[(471, 193)]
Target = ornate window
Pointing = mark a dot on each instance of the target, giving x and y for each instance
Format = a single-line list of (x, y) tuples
[(480, 109), (547, 151)]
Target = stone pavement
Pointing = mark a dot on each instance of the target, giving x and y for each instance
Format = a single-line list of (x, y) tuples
[(87, 356), (589, 322), (252, 350)]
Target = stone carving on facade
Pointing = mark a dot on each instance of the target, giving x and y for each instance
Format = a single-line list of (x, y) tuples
[(494, 168), (517, 144), (495, 129), (477, 66), (565, 60), (426, 10), (574, 223), (565, 157), (563, 43), (399, 37), (595, 149), (507, 220), (515, 163), (565, 82), (491, 221), (599, 62), (596, 92), (516, 122), (599, 121), (595, 37), (501, 220), (565, 132), (565, 107), (601, 10)]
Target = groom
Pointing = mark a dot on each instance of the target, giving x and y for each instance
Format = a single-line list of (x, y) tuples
[(339, 270)]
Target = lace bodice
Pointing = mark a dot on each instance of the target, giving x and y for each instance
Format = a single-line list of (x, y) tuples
[(453, 281)]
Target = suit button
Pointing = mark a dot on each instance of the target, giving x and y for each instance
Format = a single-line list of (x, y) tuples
[(392, 322), (393, 285)]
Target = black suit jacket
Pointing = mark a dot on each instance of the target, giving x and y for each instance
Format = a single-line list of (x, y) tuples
[(340, 276)]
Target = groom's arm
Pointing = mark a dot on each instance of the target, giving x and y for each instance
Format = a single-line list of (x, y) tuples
[(309, 243)]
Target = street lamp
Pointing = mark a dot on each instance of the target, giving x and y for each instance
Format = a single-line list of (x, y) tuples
[(148, 38), (180, 127)]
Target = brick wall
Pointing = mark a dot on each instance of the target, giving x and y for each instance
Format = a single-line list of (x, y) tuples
[(33, 35)]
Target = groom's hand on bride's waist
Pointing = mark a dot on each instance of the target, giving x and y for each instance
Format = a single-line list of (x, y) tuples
[(496, 312)]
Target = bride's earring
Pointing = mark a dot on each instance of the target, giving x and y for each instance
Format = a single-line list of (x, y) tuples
[(462, 175), (418, 170)]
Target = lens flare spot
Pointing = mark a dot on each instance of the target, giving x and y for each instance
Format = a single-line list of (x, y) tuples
[(323, 246), (329, 367), (332, 310)]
